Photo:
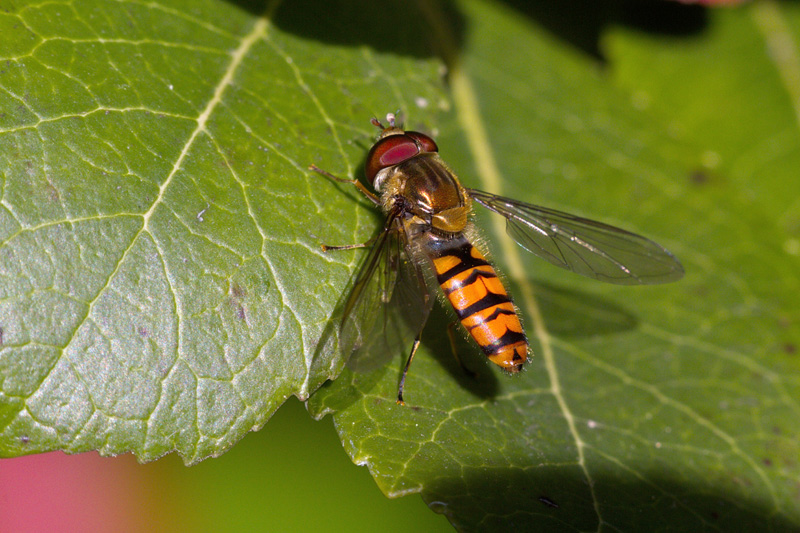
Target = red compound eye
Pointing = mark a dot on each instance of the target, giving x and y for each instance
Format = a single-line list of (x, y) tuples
[(390, 151), (427, 144), (394, 149)]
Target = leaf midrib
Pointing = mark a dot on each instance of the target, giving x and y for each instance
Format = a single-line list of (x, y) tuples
[(472, 124)]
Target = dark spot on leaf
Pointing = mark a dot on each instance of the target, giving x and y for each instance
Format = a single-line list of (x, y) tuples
[(548, 502), (237, 291), (790, 348), (24, 440), (767, 461), (53, 193), (698, 177), (142, 331), (715, 515)]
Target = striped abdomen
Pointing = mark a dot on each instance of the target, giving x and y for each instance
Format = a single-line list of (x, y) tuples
[(481, 302)]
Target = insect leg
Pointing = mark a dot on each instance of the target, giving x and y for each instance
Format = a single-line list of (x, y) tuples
[(451, 334), (370, 242), (360, 186), (405, 370)]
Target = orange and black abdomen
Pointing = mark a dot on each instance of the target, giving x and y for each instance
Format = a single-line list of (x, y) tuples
[(481, 302)]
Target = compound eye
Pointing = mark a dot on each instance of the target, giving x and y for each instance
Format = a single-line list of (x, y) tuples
[(427, 144), (390, 151)]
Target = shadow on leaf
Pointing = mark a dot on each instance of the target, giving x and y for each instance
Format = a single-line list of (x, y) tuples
[(395, 25), (558, 498), (582, 22), (570, 313)]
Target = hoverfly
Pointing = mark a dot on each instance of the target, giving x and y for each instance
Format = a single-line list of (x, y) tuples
[(428, 239)]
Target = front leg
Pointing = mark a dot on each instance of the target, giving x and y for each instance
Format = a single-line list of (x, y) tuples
[(360, 186)]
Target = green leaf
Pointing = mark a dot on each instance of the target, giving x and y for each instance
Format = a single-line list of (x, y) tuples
[(163, 286), (644, 408)]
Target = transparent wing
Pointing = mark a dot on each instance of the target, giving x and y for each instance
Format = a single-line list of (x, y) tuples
[(584, 246), (388, 303)]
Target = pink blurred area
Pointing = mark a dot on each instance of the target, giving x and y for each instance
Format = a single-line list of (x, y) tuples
[(65, 493), (291, 476)]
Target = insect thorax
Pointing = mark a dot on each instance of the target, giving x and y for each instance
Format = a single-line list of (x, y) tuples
[(424, 189)]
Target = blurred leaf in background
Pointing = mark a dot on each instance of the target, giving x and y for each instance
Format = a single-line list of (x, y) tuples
[(291, 476), (163, 287)]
